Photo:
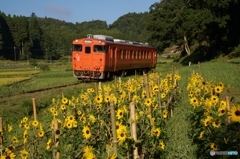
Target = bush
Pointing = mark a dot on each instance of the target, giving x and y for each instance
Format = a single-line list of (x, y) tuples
[(44, 67), (235, 52)]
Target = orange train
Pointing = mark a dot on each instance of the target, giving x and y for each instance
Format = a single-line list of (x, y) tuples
[(102, 57)]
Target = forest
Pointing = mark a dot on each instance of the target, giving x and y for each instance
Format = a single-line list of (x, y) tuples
[(202, 28)]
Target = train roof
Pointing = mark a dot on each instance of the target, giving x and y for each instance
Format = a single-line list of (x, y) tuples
[(110, 39)]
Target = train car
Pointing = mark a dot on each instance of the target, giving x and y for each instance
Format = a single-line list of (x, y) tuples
[(102, 57)]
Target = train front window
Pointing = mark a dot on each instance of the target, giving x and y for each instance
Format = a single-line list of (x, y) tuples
[(100, 48), (77, 47)]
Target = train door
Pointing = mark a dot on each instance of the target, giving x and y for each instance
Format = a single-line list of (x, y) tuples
[(154, 58), (112, 58), (87, 58)]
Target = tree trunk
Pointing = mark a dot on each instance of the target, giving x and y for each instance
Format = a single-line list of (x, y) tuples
[(186, 47)]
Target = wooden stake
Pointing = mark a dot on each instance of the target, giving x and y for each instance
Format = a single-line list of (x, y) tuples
[(57, 154), (134, 129), (34, 108), (1, 129), (114, 132), (228, 110)]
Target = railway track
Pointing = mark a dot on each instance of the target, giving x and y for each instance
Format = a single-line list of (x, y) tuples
[(7, 97), (3, 99)]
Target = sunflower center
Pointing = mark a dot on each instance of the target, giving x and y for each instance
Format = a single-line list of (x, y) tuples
[(237, 113), (122, 135), (120, 113), (87, 132), (222, 111)]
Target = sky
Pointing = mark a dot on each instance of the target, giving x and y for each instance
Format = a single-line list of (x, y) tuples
[(75, 10)]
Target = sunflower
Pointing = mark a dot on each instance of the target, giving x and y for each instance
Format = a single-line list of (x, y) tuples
[(201, 135), (216, 123), (120, 113), (86, 132), (156, 132), (40, 133), (89, 90), (144, 94), (163, 95), (69, 124), (79, 112), (63, 107), (165, 113), (55, 113), (98, 99), (25, 136), (82, 118), (213, 146), (9, 156), (112, 156), (107, 99), (75, 124), (207, 121), (24, 154), (49, 142), (235, 113), (214, 99), (121, 135), (52, 109), (27, 126), (221, 85), (35, 123), (88, 149), (194, 102), (9, 128), (64, 100), (162, 145), (148, 102), (70, 118), (14, 139), (218, 89), (90, 156), (92, 118), (25, 119)]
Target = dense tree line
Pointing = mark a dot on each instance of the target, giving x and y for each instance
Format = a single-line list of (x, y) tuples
[(205, 26)]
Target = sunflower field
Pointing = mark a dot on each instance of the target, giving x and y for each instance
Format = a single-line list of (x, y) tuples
[(215, 117), (98, 124)]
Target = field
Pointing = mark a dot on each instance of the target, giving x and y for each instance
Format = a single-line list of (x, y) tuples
[(178, 131)]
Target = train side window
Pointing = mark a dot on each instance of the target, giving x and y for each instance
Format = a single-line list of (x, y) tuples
[(143, 54), (130, 54), (146, 55), (87, 50), (100, 48), (139, 53), (136, 55), (124, 54), (77, 47), (121, 52), (149, 55)]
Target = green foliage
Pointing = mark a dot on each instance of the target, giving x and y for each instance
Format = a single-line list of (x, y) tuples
[(235, 53), (44, 67)]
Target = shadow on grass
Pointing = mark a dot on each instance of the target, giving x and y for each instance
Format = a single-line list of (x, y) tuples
[(201, 54)]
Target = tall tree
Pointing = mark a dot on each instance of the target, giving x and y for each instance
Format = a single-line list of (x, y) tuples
[(35, 34)]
